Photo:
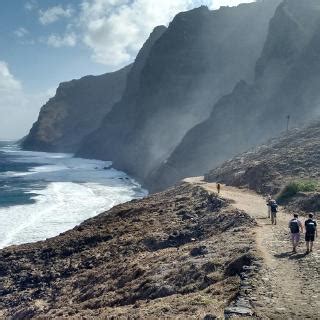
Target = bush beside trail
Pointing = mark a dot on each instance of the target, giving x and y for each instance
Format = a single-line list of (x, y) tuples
[(293, 188)]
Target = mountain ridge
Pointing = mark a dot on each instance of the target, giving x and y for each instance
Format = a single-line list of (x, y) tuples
[(253, 113), (189, 67), (76, 109)]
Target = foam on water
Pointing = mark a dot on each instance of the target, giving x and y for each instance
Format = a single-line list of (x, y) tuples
[(75, 190)]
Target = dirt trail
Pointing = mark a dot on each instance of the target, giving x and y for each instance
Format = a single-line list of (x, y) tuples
[(288, 285)]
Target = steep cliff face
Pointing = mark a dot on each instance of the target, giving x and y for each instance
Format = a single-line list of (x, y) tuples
[(107, 140), (286, 83), (75, 111), (189, 67)]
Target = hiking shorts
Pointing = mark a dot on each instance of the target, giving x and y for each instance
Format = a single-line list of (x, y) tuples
[(310, 237), (295, 237)]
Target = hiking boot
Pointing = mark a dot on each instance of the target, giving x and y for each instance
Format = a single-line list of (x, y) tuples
[(307, 252)]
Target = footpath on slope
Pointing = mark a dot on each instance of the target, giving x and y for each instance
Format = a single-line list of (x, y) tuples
[(287, 286)]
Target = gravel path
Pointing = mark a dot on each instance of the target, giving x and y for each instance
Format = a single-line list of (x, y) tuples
[(287, 286)]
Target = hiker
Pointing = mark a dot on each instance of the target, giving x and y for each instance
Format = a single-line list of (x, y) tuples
[(269, 205), (218, 187), (274, 210), (311, 232), (296, 227)]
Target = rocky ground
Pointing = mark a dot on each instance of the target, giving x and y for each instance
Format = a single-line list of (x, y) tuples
[(283, 285), (177, 254), (268, 168)]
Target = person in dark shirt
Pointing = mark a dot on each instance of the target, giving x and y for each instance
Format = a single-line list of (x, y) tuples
[(218, 187), (311, 232), (296, 228), (274, 210)]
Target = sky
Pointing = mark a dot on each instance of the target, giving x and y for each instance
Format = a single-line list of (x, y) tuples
[(45, 42)]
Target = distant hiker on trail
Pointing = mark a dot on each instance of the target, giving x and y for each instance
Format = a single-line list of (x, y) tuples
[(269, 205), (296, 227), (274, 210), (311, 232), (218, 187)]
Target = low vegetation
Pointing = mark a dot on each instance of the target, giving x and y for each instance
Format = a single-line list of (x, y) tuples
[(156, 258), (292, 188)]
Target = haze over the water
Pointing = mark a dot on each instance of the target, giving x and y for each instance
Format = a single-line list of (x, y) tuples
[(46, 42)]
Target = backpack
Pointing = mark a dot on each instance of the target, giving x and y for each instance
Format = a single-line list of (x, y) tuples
[(294, 226), (274, 206), (310, 226)]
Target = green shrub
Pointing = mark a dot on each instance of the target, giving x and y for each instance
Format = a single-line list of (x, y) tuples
[(291, 189)]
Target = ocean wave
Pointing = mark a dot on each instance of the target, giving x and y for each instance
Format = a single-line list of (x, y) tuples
[(75, 189)]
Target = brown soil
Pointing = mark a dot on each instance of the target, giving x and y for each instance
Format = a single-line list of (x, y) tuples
[(287, 285), (181, 254), (178, 254)]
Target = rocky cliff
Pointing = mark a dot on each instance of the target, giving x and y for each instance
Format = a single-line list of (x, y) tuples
[(160, 257), (197, 60), (287, 79), (76, 110), (287, 167), (269, 167)]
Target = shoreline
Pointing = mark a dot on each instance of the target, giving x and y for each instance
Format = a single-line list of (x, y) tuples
[(68, 191)]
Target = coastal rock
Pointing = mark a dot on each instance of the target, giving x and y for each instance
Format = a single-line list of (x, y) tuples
[(75, 111), (287, 78), (190, 66)]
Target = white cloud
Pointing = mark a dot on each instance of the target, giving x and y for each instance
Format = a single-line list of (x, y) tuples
[(53, 14), (216, 4), (57, 41), (116, 29), (31, 5), (21, 32), (18, 110), (7, 80)]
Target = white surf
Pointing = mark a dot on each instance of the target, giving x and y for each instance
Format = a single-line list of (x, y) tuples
[(76, 189)]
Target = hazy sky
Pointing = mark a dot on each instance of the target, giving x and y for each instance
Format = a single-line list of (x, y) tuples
[(45, 42)]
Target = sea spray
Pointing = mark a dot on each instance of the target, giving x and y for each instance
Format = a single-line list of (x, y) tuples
[(44, 194)]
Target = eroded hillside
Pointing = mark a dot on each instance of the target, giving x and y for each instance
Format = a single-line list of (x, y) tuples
[(158, 257), (292, 160)]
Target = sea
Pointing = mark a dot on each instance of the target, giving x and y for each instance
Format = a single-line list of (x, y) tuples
[(44, 194)]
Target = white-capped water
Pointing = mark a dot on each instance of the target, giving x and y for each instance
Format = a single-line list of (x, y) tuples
[(74, 190)]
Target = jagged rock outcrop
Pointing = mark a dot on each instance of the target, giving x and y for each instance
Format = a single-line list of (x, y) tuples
[(287, 82), (76, 110), (197, 60), (147, 259)]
